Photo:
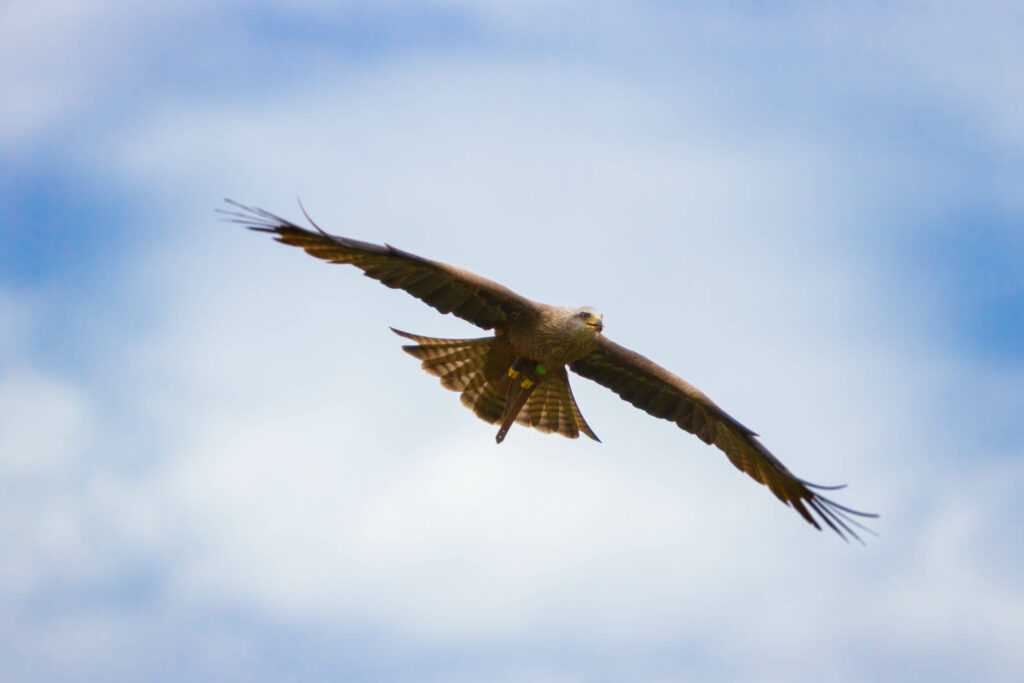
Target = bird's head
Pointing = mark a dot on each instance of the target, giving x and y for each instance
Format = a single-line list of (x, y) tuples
[(589, 319)]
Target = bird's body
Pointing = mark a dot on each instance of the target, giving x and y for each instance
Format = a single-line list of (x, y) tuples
[(520, 373), (556, 335)]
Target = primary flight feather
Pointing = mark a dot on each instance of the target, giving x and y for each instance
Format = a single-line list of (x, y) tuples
[(518, 375)]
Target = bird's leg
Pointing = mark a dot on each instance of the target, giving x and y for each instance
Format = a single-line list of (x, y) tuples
[(530, 371), (518, 395)]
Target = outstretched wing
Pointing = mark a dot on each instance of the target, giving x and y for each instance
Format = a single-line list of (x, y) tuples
[(657, 391), (482, 302)]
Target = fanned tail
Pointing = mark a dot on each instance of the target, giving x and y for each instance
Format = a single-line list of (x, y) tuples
[(552, 408), (479, 370)]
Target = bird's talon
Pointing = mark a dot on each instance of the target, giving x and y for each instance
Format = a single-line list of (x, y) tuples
[(513, 373), (525, 384)]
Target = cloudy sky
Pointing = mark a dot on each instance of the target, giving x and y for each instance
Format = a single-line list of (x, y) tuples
[(217, 465)]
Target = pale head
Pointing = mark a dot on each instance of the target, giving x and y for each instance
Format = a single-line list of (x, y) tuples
[(589, 318)]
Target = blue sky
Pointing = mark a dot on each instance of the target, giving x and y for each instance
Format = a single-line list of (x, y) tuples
[(216, 464)]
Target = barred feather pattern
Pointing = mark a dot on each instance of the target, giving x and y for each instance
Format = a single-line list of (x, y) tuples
[(552, 408), (448, 289), (478, 368), (475, 367)]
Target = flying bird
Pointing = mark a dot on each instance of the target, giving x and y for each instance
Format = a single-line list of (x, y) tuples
[(518, 375)]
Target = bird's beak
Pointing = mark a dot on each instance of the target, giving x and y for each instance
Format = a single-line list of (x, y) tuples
[(598, 325)]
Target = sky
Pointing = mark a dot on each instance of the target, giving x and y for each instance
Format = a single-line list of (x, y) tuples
[(217, 465)]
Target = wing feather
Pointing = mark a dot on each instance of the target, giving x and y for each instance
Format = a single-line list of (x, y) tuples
[(483, 302), (657, 391)]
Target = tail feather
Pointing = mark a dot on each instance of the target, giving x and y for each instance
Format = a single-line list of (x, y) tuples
[(486, 398), (457, 362), (552, 408), (478, 369)]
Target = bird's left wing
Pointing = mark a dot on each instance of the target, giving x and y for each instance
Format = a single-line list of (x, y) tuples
[(483, 302), (657, 391)]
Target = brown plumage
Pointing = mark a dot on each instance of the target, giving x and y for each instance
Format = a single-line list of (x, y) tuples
[(519, 374), (478, 369)]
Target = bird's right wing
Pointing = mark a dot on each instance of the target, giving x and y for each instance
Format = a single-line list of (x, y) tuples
[(658, 392), (483, 302)]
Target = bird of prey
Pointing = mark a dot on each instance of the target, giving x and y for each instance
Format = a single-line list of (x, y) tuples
[(519, 373)]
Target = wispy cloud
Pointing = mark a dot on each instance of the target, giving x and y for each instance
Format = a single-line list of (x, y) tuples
[(212, 448)]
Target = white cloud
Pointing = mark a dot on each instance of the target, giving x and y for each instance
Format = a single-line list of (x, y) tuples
[(58, 58), (255, 457), (46, 426), (290, 488), (43, 424)]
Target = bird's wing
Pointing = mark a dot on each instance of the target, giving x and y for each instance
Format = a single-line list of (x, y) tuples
[(657, 391), (483, 302)]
